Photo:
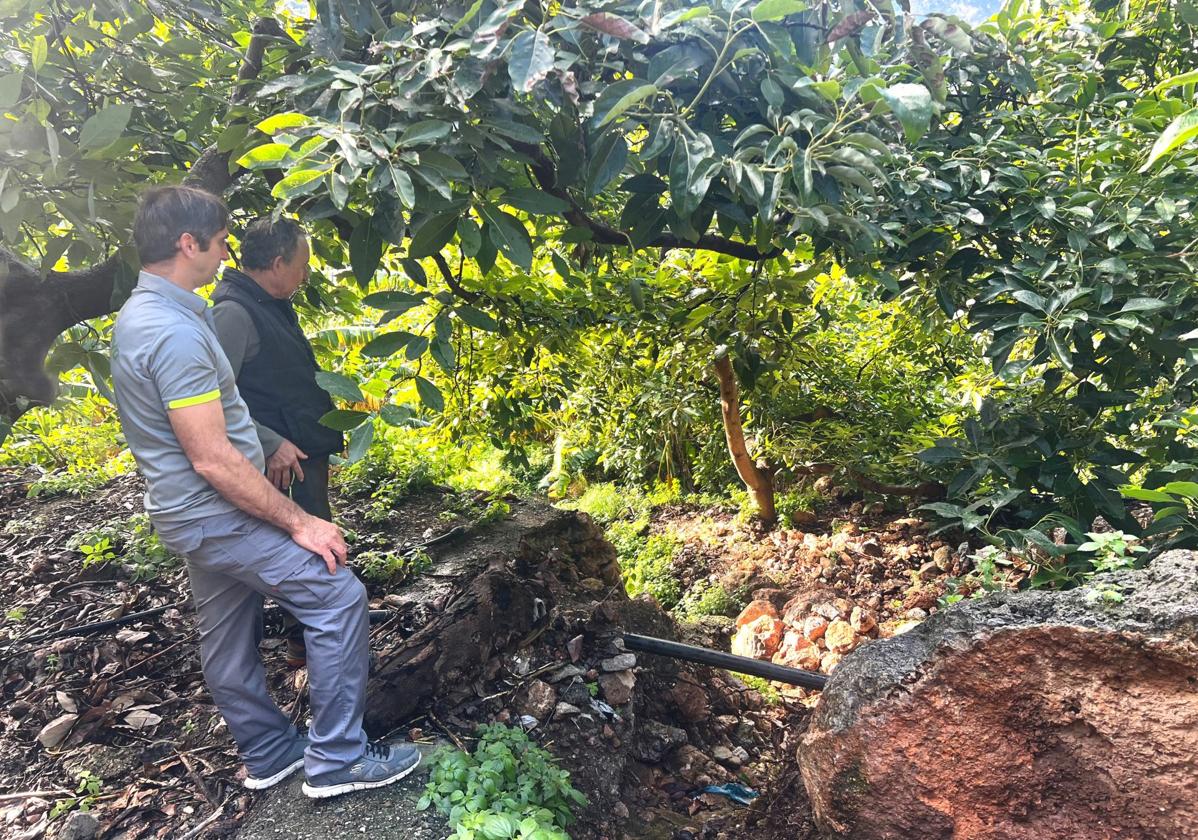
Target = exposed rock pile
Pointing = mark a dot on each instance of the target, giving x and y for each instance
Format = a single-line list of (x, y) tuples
[(1028, 716)]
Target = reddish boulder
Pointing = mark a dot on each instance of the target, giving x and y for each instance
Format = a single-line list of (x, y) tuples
[(755, 610), (1022, 716)]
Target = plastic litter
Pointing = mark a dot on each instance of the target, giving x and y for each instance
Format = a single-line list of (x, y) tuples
[(738, 793)]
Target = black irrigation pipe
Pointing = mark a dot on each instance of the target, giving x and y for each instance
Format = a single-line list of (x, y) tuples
[(727, 661)]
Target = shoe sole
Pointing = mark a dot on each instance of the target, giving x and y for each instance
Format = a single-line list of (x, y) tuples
[(270, 781), (326, 791)]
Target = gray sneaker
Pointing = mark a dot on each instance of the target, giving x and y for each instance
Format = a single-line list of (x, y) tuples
[(380, 765), (291, 761)]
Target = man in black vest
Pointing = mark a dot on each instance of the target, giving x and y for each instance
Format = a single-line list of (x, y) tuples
[(276, 369)]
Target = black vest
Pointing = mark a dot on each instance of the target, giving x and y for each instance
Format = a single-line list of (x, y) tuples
[(279, 384)]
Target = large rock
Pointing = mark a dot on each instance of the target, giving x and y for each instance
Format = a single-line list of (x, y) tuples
[(1026, 716)]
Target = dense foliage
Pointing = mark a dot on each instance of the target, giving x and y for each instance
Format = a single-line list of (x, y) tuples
[(541, 224)]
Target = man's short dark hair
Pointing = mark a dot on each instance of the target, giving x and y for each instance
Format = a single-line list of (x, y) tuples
[(268, 238), (166, 213)]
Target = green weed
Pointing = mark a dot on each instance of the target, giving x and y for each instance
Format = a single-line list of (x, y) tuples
[(509, 787)]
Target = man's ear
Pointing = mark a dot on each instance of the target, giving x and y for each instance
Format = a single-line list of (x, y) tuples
[(188, 246)]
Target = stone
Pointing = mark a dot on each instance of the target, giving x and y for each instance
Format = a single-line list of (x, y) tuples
[(943, 558), (722, 754), (740, 755), (800, 518), (929, 570), (797, 652), (79, 826), (622, 662), (538, 701), (690, 701), (759, 639), (862, 620), (915, 614), (814, 627), (617, 687), (840, 636), (1080, 710), (746, 643), (829, 661), (691, 765), (872, 548), (654, 740), (565, 672), (563, 710), (755, 610), (574, 648), (576, 692)]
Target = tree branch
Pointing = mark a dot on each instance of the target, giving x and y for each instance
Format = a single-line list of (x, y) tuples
[(35, 311), (604, 234)]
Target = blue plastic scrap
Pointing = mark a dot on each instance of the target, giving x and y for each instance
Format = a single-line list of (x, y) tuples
[(738, 793)]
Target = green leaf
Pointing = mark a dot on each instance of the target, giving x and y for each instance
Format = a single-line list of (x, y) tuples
[(1188, 78), (297, 183), (1183, 129), (531, 59), (768, 10), (476, 318), (462, 21), (425, 131), (387, 344), (509, 235), (1189, 489), (403, 186), (393, 301), (1145, 495), (433, 235), (104, 127), (536, 201), (339, 385), (610, 155), (38, 52), (343, 420), (266, 156), (912, 105), (10, 89), (365, 252), (359, 442), (281, 122), (442, 352), (619, 97), (1144, 304), (430, 394)]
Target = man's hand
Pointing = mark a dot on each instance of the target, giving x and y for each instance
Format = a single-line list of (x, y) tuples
[(283, 463), (323, 538)]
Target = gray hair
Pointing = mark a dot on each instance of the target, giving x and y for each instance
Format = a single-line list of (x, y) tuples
[(267, 239)]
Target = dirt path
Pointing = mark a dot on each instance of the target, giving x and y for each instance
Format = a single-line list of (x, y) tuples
[(286, 814)]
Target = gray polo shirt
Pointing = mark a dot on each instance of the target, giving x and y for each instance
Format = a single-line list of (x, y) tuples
[(165, 356)]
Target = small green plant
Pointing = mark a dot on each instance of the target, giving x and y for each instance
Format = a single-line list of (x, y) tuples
[(86, 793), (133, 541), (391, 567), (509, 787), (1113, 550), (650, 570), (990, 573), (707, 598), (15, 614), (764, 687), (605, 503), (97, 553)]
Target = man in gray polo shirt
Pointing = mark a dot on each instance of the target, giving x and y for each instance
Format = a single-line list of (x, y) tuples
[(193, 440)]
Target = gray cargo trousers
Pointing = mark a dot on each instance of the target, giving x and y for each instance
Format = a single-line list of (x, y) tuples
[(234, 561)]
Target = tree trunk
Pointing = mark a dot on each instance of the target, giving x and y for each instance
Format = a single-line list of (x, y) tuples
[(758, 477), (481, 599), (35, 310)]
